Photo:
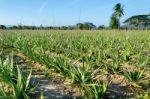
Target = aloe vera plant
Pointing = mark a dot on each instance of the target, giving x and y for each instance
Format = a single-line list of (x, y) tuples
[(80, 75), (13, 82), (114, 65), (95, 91), (135, 75), (142, 61), (143, 96), (100, 49)]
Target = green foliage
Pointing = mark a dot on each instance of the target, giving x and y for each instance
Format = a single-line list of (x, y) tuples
[(80, 75), (135, 75), (115, 18), (95, 91), (85, 26), (143, 96), (14, 83), (2, 27), (118, 10), (114, 22), (101, 27), (83, 56)]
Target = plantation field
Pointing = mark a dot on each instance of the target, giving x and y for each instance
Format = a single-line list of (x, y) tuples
[(100, 64)]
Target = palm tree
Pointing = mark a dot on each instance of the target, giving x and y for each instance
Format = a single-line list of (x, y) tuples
[(114, 22), (119, 11)]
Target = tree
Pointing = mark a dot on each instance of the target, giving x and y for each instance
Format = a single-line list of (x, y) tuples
[(14, 27), (20, 27), (71, 27), (80, 26), (2, 27), (63, 27), (119, 11), (85, 26), (89, 26), (115, 18), (114, 22), (101, 27)]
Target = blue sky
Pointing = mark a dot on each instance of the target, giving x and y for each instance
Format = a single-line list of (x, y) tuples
[(66, 12)]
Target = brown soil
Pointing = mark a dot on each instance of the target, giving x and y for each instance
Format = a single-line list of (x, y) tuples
[(53, 85)]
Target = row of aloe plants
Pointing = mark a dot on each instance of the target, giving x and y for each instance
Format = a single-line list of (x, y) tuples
[(96, 49), (14, 83), (83, 76), (96, 53)]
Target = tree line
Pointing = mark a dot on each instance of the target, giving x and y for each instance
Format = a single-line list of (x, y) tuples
[(134, 22), (80, 26)]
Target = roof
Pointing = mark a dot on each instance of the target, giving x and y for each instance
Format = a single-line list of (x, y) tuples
[(143, 18)]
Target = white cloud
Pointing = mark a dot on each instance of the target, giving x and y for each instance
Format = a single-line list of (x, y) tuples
[(42, 7)]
